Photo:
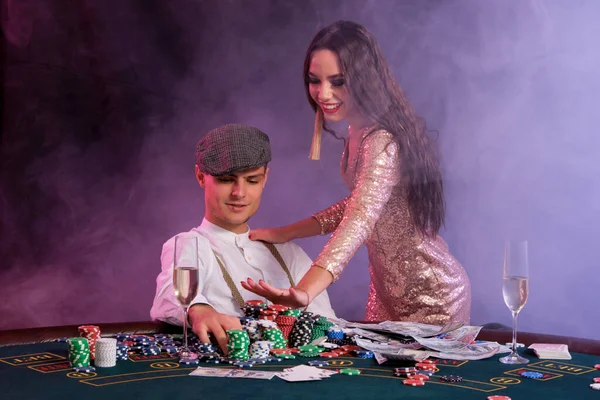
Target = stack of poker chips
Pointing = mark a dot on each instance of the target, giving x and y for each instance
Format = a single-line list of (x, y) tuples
[(308, 350), (320, 328), (260, 350), (252, 329), (335, 332), (285, 323), (79, 352), (268, 314), (91, 333), (253, 308), (106, 352), (238, 342), (275, 336), (301, 332), (122, 350)]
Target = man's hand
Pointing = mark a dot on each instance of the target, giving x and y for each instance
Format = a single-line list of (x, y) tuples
[(291, 297), (204, 320)]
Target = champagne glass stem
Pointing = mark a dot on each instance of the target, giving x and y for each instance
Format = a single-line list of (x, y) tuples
[(514, 333), (185, 339)]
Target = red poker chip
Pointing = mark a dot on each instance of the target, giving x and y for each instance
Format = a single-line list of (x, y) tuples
[(427, 362), (498, 398), (349, 348), (413, 382), (597, 366), (329, 354), (596, 380), (420, 377)]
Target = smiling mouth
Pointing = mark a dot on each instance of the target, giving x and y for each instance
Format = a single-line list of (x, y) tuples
[(330, 108), (236, 207)]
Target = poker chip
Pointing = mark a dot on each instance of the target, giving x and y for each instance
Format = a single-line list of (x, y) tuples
[(413, 382), (451, 378), (285, 356), (189, 361), (428, 361), (532, 375), (405, 369), (349, 371), (364, 354), (420, 377), (595, 386), (106, 352), (496, 397), (596, 380), (244, 364), (318, 363), (84, 369), (597, 366), (329, 354)]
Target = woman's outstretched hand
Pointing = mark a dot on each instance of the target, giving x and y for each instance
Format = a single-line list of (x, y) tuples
[(269, 235), (296, 298)]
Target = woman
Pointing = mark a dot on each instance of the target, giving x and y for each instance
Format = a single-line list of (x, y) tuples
[(396, 206)]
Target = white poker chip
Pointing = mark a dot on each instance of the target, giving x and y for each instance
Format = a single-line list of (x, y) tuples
[(595, 386), (328, 345)]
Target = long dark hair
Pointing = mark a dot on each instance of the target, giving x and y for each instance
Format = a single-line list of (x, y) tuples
[(380, 99)]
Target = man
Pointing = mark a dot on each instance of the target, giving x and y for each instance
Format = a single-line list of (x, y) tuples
[(231, 167)]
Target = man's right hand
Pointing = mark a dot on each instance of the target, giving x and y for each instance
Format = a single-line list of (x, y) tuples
[(204, 320)]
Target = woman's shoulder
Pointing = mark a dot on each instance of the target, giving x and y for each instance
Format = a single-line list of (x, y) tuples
[(378, 138)]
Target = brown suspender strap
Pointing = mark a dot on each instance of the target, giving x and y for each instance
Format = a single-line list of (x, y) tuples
[(279, 259), (234, 290)]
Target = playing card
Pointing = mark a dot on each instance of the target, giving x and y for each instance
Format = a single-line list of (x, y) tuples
[(211, 372), (252, 374)]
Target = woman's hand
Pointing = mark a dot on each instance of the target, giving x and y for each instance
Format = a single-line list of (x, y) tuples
[(270, 235), (290, 297)]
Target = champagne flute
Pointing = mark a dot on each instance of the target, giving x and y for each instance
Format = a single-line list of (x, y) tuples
[(515, 288), (185, 280)]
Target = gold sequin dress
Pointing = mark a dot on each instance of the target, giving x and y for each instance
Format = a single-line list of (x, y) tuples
[(412, 278)]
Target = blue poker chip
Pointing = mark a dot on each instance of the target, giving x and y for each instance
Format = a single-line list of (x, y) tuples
[(273, 359), (244, 364), (89, 368), (364, 354), (189, 361), (213, 361), (532, 375), (62, 340), (318, 363), (258, 360)]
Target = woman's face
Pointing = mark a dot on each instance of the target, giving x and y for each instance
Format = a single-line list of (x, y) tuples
[(327, 86)]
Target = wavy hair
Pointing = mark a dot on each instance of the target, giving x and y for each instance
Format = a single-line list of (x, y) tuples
[(379, 98)]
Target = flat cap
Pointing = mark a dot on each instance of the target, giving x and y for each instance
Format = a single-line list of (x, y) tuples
[(232, 147)]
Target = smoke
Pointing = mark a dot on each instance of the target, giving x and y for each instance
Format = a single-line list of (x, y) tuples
[(105, 102)]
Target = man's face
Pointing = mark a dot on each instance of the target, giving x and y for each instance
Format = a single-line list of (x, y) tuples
[(231, 200)]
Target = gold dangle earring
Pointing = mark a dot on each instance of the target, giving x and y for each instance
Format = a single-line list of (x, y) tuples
[(315, 147)]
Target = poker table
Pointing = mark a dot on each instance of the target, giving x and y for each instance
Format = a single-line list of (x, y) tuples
[(33, 365)]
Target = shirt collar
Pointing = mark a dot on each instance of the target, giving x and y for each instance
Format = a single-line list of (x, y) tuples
[(224, 235)]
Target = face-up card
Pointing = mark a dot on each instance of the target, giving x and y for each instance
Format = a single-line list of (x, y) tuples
[(243, 373), (211, 372)]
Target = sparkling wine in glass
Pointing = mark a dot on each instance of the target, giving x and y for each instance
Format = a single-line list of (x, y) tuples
[(185, 281), (515, 289)]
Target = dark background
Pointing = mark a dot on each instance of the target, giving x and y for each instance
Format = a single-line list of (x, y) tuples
[(104, 100)]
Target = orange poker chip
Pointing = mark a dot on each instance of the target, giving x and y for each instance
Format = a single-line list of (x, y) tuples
[(413, 382)]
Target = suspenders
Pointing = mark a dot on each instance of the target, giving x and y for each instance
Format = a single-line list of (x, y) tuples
[(234, 290)]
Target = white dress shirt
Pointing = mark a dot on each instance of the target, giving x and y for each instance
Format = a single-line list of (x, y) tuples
[(242, 258)]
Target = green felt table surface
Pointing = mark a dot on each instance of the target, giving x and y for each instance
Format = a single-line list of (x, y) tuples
[(41, 371)]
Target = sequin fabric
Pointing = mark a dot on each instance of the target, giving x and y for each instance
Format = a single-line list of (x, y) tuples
[(412, 278)]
